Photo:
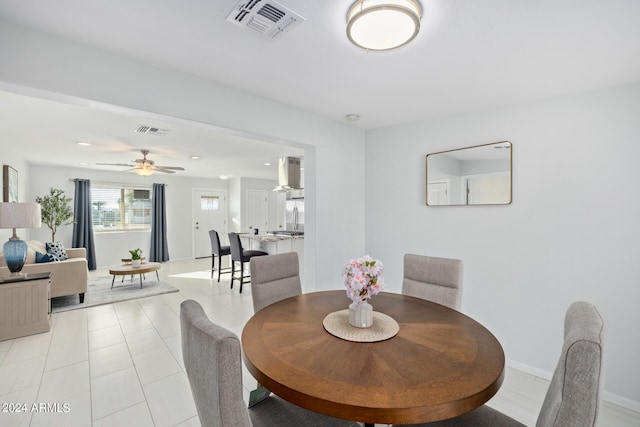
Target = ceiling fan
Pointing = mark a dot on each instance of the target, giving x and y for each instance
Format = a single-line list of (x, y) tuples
[(144, 166)]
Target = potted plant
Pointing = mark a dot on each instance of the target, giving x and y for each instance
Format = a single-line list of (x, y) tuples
[(135, 257), (55, 210)]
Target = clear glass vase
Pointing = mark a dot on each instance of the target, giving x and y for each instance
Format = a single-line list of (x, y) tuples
[(360, 314)]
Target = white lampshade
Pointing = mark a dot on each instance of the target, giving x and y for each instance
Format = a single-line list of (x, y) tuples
[(20, 215), (383, 24)]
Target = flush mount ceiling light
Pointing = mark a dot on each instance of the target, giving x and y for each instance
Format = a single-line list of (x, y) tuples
[(383, 24)]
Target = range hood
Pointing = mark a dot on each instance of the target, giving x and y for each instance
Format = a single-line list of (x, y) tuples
[(289, 176)]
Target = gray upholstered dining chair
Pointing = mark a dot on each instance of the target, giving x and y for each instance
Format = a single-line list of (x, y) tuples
[(434, 279), (273, 278), (574, 394), (217, 250), (212, 360)]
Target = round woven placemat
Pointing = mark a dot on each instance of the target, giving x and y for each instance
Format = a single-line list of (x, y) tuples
[(383, 328)]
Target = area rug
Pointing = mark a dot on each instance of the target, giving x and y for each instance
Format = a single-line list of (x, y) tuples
[(99, 292)]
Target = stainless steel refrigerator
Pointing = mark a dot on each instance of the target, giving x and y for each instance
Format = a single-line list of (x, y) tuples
[(294, 215)]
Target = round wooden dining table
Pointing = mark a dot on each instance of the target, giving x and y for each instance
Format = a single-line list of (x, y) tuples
[(441, 363)]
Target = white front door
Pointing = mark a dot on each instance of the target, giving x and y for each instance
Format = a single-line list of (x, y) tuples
[(209, 213)]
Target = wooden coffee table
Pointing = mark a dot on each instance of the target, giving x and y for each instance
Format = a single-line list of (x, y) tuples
[(126, 270)]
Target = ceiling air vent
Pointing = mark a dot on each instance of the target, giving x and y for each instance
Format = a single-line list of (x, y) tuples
[(151, 130), (267, 17)]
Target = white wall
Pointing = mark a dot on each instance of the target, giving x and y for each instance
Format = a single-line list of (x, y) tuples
[(572, 232), (254, 184), (41, 65), (11, 156)]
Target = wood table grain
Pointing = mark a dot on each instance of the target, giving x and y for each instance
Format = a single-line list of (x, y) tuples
[(440, 365)]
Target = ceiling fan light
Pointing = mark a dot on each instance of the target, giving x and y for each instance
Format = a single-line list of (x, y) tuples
[(144, 171), (383, 24)]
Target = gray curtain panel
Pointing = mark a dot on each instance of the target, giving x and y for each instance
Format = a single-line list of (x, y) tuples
[(83, 222), (159, 250)]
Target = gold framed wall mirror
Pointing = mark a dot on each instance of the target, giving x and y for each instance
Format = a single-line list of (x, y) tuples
[(477, 175)]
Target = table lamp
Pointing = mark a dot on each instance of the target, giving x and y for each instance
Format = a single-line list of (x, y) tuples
[(18, 215)]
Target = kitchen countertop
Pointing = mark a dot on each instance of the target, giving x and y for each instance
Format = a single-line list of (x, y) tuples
[(270, 237)]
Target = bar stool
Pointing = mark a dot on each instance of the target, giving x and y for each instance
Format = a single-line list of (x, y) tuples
[(219, 251), (240, 255)]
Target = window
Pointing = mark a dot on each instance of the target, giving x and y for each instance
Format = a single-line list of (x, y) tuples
[(209, 203), (120, 208)]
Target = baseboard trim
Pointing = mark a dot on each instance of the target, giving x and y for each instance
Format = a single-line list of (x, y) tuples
[(527, 369), (615, 399)]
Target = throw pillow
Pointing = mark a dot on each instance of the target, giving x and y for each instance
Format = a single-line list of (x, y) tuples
[(40, 258), (53, 257), (57, 249)]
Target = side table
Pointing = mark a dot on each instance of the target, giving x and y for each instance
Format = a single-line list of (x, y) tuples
[(25, 305)]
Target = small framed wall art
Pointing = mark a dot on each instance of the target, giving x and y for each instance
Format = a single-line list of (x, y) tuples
[(9, 184)]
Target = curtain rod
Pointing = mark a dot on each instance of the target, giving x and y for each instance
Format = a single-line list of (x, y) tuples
[(119, 184)]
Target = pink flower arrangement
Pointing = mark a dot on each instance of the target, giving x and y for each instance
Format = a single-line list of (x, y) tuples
[(362, 278)]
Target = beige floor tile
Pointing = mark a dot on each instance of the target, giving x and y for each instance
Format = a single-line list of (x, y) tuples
[(69, 329), (191, 422), (67, 353), (155, 364), (170, 400), (19, 413), (136, 415), (21, 375), (105, 337), (74, 412), (126, 309), (103, 316), (157, 311), (5, 345), (135, 323), (114, 392), (64, 383), (30, 347), (143, 341), (167, 327), (110, 359), (174, 344)]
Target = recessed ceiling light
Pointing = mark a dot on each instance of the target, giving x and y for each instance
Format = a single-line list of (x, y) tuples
[(195, 157), (84, 144), (267, 164), (84, 163), (224, 177)]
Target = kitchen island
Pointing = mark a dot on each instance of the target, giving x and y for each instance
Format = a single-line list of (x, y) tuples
[(276, 244)]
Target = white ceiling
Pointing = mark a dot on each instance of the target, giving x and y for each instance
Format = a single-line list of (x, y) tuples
[(470, 55), (50, 131)]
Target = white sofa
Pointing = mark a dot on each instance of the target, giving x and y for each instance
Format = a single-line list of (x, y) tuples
[(68, 277)]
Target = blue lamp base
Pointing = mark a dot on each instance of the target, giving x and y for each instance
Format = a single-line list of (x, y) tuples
[(15, 254)]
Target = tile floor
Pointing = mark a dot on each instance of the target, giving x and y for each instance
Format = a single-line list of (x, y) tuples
[(121, 364)]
